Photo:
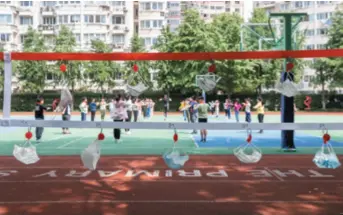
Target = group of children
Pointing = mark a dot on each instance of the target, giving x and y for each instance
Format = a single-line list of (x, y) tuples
[(191, 114), (138, 108)]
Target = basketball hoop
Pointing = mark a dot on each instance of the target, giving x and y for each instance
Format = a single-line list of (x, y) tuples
[(207, 82), (137, 89)]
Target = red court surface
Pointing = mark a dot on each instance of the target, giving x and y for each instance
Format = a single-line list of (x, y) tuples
[(209, 185)]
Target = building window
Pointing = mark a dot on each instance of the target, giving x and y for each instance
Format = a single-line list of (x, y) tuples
[(322, 31), (308, 3), (321, 46), (5, 2), (5, 19), (310, 47), (174, 22), (90, 37), (237, 10), (100, 19), (4, 37), (237, 2), (309, 33), (63, 2), (49, 3), (322, 16), (77, 37), (26, 3), (22, 38), (157, 24), (174, 13), (151, 5), (75, 18), (298, 4), (118, 39), (118, 3), (89, 19), (49, 76), (63, 19), (117, 20), (26, 20), (49, 20)]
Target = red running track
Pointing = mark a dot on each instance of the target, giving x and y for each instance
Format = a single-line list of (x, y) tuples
[(130, 185)]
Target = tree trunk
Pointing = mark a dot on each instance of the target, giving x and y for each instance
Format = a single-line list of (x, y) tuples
[(323, 97), (323, 90)]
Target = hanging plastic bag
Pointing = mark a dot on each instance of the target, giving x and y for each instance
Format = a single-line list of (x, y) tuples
[(288, 87), (26, 153), (248, 152), (326, 156), (175, 158), (91, 155)]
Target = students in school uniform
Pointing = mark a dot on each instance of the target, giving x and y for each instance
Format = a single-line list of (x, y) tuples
[(203, 109)]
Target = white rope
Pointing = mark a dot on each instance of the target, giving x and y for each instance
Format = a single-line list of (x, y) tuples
[(164, 125)]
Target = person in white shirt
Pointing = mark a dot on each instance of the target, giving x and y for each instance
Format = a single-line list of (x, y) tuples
[(128, 105), (247, 106), (84, 109), (118, 114)]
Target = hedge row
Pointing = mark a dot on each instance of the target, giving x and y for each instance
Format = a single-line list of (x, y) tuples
[(26, 102)]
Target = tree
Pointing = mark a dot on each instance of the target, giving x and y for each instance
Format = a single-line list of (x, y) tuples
[(143, 73), (101, 73), (335, 41), (66, 42), (32, 74), (166, 79), (324, 74), (237, 75)]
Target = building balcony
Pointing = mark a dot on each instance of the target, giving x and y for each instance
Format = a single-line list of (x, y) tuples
[(9, 46), (119, 10), (47, 11), (9, 28), (47, 29), (120, 29)]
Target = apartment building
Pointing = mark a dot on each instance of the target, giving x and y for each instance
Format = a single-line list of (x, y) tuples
[(315, 26)]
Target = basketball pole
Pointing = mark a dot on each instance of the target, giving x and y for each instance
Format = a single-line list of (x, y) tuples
[(287, 103)]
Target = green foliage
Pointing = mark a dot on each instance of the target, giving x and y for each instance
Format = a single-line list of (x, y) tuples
[(101, 73), (66, 42), (143, 74), (32, 74)]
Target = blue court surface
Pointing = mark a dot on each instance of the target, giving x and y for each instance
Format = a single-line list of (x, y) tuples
[(268, 139)]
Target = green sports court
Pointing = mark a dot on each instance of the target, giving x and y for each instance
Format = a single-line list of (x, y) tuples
[(156, 142)]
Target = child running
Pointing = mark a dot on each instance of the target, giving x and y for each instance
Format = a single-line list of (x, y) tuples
[(39, 115), (203, 108), (260, 111), (237, 107)]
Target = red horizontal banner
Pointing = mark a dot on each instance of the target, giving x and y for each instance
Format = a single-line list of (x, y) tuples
[(176, 56)]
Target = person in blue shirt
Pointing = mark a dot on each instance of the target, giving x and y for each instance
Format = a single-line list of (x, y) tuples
[(92, 107), (193, 112)]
